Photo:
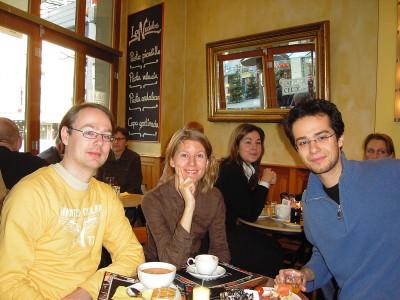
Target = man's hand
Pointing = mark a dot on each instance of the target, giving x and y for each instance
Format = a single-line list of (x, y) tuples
[(78, 294), (300, 276)]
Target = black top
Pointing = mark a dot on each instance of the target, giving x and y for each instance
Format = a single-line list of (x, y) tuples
[(241, 200), (333, 193), (50, 155), (127, 171), (14, 165)]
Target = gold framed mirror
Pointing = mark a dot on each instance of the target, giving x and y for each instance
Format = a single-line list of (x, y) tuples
[(258, 78)]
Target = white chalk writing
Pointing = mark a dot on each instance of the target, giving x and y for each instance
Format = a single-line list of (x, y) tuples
[(145, 28)]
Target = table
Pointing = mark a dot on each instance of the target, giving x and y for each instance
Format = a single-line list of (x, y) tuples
[(131, 200), (272, 225), (278, 229), (112, 281)]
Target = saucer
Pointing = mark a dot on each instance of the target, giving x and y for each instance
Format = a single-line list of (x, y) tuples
[(146, 293), (217, 273)]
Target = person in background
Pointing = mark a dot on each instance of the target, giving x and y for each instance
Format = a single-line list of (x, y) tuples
[(55, 221), (245, 189), (350, 218), (54, 154), (123, 164), (377, 146), (15, 165), (194, 125), (185, 207)]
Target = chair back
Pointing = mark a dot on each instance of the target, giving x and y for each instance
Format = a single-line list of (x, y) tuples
[(141, 234)]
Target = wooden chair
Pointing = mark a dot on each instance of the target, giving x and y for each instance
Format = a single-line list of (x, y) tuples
[(141, 234)]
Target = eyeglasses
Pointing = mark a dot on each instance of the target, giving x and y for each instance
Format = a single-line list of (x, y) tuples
[(90, 134), (117, 139), (320, 139)]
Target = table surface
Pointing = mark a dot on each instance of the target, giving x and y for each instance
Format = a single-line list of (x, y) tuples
[(273, 225), (112, 281), (131, 200)]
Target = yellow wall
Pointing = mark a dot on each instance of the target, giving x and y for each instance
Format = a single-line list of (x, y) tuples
[(386, 71), (173, 83), (190, 24)]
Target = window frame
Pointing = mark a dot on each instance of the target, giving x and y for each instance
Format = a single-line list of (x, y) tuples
[(38, 30), (317, 33)]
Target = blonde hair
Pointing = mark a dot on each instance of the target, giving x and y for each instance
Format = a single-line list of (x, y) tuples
[(211, 173)]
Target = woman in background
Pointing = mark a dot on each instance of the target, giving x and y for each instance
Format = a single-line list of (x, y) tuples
[(378, 146), (185, 207), (245, 190)]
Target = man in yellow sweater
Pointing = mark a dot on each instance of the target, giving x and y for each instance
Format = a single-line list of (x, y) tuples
[(56, 220)]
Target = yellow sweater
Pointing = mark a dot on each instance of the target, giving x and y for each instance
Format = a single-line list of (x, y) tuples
[(51, 234)]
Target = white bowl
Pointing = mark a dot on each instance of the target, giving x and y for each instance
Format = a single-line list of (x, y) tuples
[(156, 280)]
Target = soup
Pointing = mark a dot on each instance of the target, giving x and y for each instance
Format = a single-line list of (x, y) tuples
[(156, 271)]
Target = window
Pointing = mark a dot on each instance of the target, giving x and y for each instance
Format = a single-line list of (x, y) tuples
[(70, 61), (97, 81), (60, 12), (99, 17), (57, 90), (13, 59)]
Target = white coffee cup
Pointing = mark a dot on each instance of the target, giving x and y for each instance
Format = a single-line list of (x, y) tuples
[(282, 211), (205, 264)]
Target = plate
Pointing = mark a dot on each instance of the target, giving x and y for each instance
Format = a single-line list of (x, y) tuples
[(292, 225), (146, 296), (217, 273)]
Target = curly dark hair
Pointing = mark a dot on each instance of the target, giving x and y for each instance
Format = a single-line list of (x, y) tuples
[(313, 108)]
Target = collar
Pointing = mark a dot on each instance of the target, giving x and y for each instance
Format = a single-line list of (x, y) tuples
[(69, 178), (248, 170)]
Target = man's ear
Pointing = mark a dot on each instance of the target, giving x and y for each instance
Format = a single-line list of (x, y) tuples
[(18, 143), (341, 142), (64, 135)]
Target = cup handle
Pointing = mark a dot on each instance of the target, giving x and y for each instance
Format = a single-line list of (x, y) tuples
[(190, 259)]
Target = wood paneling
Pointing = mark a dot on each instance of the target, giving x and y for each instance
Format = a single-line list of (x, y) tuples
[(151, 170), (292, 180)]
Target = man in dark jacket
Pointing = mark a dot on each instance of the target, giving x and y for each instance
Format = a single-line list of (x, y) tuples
[(123, 165), (13, 164)]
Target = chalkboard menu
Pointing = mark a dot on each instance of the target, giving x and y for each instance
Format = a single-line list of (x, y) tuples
[(143, 74)]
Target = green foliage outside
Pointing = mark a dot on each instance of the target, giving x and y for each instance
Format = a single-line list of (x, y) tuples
[(235, 88), (252, 90)]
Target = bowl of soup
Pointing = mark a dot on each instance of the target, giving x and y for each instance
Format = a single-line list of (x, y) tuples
[(156, 274)]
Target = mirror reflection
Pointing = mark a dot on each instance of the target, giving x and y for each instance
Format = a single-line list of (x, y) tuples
[(259, 78)]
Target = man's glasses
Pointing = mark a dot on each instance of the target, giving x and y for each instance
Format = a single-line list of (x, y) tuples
[(117, 139), (90, 134), (320, 139)]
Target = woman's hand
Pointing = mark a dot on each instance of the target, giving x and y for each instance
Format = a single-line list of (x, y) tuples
[(186, 188), (269, 176)]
